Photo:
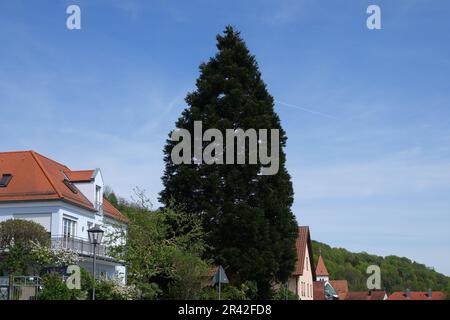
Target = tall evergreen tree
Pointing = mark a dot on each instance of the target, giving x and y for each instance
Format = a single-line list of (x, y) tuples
[(251, 228)]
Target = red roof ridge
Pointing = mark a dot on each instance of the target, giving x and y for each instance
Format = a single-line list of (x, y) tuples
[(51, 160), (52, 183), (11, 152), (74, 201)]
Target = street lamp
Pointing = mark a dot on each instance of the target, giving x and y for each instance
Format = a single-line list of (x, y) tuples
[(95, 238)]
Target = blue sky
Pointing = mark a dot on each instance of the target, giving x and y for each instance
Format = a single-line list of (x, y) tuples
[(367, 113)]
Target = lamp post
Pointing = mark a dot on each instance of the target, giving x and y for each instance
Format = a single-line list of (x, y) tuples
[(95, 238)]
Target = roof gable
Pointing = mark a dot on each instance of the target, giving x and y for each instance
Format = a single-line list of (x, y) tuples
[(302, 244)]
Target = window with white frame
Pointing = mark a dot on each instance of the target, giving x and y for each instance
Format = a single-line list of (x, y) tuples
[(98, 194), (69, 228)]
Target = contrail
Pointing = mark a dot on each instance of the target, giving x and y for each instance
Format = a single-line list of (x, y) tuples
[(305, 109)]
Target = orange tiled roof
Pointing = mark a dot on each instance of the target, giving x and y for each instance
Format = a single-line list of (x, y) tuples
[(321, 270), (303, 241), (38, 178), (112, 212), (341, 288), (81, 176), (365, 295), (319, 290), (377, 295), (417, 295)]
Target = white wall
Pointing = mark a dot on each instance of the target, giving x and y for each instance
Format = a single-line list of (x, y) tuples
[(106, 270), (50, 214), (44, 213)]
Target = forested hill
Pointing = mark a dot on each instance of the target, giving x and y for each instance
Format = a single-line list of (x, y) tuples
[(397, 273)]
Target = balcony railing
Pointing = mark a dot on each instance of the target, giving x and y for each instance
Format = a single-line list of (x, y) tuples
[(79, 246)]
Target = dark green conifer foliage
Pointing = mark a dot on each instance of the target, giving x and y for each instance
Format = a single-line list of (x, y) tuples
[(251, 228)]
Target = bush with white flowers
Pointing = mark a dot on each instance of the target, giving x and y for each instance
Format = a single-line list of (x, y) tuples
[(55, 257)]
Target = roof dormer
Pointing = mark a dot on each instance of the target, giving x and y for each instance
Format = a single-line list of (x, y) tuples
[(90, 183)]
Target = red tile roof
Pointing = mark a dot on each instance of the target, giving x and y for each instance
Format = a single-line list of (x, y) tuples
[(341, 288), (377, 295), (81, 176), (417, 295), (365, 295), (303, 241), (321, 270), (38, 178), (319, 290), (111, 211)]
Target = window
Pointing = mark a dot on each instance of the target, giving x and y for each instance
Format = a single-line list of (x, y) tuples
[(5, 180), (98, 190), (307, 264), (71, 186), (69, 228)]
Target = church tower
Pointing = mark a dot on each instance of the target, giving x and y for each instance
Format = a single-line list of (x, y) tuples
[(321, 271)]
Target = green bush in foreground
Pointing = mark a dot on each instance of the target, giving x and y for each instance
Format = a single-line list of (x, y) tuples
[(54, 288)]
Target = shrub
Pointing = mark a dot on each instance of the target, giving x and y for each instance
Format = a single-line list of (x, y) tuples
[(282, 293), (54, 288), (55, 257), (110, 290), (228, 292)]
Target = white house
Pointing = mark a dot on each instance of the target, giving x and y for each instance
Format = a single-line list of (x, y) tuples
[(301, 281), (67, 203)]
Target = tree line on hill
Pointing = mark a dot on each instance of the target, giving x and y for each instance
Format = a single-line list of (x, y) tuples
[(397, 273)]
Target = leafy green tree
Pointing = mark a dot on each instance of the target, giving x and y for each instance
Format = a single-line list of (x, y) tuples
[(397, 274), (163, 251), (447, 292), (17, 239), (247, 216), (188, 271)]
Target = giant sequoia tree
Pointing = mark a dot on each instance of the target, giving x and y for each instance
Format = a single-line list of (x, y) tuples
[(248, 217)]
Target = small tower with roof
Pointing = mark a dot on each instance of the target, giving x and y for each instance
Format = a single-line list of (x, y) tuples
[(321, 270)]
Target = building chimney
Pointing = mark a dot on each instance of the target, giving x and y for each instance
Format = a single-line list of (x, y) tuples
[(430, 293), (408, 294)]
